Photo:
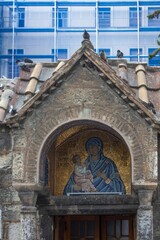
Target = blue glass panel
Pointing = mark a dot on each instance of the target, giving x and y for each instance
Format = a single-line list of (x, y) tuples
[(21, 16), (134, 53), (106, 50), (155, 61), (62, 53), (62, 14), (104, 17), (15, 68), (133, 21)]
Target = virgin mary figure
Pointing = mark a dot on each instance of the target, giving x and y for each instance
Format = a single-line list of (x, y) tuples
[(100, 172)]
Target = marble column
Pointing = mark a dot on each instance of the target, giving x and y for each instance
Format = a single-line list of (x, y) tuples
[(145, 215), (29, 223), (28, 215)]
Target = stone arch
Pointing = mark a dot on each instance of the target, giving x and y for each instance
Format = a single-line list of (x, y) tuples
[(53, 126), (72, 140), (134, 148)]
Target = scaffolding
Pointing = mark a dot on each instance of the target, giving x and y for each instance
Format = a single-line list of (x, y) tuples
[(48, 31)]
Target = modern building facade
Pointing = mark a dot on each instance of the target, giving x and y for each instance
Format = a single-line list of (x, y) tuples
[(51, 30), (106, 114)]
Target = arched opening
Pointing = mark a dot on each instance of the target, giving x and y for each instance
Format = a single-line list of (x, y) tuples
[(92, 215), (69, 140)]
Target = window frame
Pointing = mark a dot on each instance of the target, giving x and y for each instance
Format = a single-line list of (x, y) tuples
[(106, 50), (62, 18), (19, 17), (53, 17), (135, 59), (104, 17), (16, 68), (155, 61), (133, 17), (59, 53)]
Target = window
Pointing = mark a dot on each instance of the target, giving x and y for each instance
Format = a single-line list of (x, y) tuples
[(60, 54), (19, 17), (133, 20), (62, 17), (11, 17), (155, 61), (104, 17), (1, 19), (134, 54), (155, 22), (118, 227), (53, 16), (15, 67)]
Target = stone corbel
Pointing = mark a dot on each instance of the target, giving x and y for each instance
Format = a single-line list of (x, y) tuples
[(27, 192), (28, 198), (145, 197), (145, 193)]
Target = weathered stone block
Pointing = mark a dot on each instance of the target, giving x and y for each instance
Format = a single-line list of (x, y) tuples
[(5, 142), (18, 165)]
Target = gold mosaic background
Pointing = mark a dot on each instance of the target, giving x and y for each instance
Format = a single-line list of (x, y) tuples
[(72, 142)]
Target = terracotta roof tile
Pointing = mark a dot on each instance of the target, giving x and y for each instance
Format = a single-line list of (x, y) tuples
[(49, 80)]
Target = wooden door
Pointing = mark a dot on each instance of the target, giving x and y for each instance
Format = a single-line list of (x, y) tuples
[(77, 228), (94, 228), (83, 228), (117, 228)]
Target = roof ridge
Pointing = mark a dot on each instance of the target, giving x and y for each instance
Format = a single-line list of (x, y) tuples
[(108, 74)]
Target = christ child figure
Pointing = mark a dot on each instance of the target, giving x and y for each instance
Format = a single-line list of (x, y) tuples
[(82, 176)]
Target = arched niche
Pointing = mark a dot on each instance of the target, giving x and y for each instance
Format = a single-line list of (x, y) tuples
[(69, 139)]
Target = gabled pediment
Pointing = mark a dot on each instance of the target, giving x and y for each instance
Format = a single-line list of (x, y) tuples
[(87, 58)]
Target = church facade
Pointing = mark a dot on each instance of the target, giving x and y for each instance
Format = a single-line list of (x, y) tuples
[(105, 113)]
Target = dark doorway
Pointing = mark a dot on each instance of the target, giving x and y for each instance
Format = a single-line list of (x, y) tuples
[(116, 227)]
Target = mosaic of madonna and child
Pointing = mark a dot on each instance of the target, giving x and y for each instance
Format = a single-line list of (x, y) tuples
[(97, 173)]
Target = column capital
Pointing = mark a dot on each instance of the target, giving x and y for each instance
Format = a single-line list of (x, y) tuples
[(145, 197), (145, 193), (28, 198)]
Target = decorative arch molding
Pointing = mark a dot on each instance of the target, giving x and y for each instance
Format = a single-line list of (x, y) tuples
[(46, 131), (53, 126)]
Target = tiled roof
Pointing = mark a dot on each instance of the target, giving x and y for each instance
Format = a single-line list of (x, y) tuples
[(50, 78)]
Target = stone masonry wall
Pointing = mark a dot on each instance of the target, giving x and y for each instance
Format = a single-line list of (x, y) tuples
[(84, 95), (9, 200)]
